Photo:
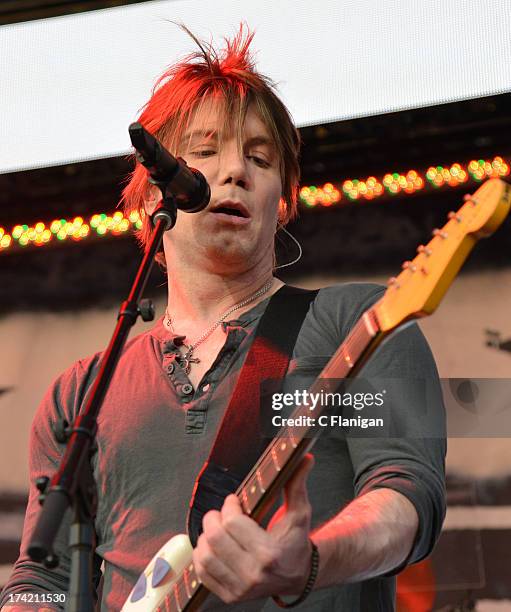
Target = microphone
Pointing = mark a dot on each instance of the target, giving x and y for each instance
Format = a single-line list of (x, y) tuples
[(187, 185)]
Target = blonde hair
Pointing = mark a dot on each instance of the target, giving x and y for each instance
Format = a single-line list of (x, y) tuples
[(228, 76)]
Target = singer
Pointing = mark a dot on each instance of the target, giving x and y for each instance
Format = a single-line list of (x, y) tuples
[(355, 513)]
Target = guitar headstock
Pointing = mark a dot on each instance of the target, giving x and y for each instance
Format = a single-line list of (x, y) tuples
[(420, 286)]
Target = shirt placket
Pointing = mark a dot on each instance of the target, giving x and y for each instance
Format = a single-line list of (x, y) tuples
[(196, 401)]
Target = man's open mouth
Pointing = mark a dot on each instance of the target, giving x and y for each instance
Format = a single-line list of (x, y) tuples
[(235, 209)]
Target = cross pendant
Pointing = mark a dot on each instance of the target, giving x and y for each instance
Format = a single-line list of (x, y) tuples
[(186, 360)]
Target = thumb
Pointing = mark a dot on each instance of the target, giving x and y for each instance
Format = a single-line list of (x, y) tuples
[(295, 491)]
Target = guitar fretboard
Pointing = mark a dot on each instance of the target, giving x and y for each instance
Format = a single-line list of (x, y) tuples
[(293, 441)]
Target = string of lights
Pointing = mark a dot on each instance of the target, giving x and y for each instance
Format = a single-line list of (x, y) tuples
[(76, 229), (412, 181), (344, 193)]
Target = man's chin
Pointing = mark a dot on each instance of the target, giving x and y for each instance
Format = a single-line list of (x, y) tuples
[(220, 254)]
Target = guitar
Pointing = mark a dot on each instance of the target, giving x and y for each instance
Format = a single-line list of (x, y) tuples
[(169, 582)]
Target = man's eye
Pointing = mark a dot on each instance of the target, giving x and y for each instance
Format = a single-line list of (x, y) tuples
[(205, 153), (259, 161)]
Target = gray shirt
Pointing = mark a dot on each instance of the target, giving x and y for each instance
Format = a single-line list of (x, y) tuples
[(155, 432)]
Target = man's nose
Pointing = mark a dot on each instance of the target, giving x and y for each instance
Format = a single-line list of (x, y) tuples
[(233, 168)]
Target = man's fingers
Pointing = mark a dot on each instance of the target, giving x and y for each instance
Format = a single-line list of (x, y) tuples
[(213, 572), (231, 506), (244, 530), (237, 524), (232, 551), (220, 541)]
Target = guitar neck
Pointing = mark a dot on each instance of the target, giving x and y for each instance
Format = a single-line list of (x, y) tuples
[(282, 455)]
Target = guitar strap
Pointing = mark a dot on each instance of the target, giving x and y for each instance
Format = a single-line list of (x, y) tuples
[(240, 440)]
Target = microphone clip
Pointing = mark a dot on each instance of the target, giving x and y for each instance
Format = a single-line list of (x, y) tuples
[(166, 211)]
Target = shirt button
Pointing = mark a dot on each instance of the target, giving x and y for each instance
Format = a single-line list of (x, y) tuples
[(187, 389), (205, 388), (170, 368)]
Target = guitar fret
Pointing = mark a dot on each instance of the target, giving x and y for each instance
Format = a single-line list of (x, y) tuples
[(259, 481), (176, 597), (244, 501), (252, 486), (370, 323), (284, 449), (267, 472), (347, 359), (185, 578), (254, 491), (168, 607), (194, 579), (299, 411), (182, 591), (275, 459), (257, 484), (166, 604), (299, 431), (292, 438), (348, 354)]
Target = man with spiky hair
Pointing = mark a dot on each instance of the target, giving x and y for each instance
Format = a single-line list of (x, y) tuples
[(369, 506)]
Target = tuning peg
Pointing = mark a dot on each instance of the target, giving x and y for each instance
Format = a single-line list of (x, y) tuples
[(469, 198), (423, 249), (453, 215), (408, 265), (439, 232)]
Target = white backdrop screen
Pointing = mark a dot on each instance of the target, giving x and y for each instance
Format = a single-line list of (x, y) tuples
[(70, 86)]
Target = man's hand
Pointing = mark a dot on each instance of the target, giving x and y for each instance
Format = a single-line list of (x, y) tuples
[(238, 560)]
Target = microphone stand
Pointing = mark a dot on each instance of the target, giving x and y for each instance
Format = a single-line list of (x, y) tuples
[(73, 484)]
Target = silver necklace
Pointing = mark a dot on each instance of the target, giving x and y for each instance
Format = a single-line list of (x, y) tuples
[(186, 360)]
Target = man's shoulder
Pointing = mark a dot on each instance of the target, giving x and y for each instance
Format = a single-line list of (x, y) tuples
[(352, 294), (79, 376), (344, 303), (333, 313)]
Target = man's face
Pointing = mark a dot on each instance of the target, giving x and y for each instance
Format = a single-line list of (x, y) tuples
[(235, 232)]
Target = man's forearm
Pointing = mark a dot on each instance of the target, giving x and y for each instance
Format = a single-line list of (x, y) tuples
[(371, 536)]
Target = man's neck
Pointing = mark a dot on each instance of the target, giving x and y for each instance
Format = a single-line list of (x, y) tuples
[(201, 297)]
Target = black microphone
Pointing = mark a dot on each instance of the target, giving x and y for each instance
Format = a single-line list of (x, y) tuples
[(187, 185)]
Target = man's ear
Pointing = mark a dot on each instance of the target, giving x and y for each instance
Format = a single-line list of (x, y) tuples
[(149, 206), (152, 199), (282, 214)]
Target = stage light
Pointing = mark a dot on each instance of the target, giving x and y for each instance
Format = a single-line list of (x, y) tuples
[(5, 242), (326, 195), (482, 169), (353, 189)]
